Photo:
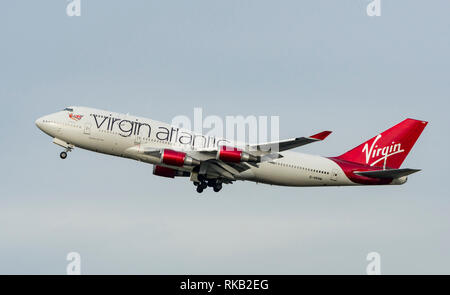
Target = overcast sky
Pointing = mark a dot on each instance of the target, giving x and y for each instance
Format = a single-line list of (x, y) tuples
[(319, 65)]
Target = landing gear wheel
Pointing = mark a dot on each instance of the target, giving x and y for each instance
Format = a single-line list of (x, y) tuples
[(63, 155), (217, 187), (199, 189), (203, 185)]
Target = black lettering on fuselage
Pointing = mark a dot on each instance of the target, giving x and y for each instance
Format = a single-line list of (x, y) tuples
[(187, 140), (129, 130), (96, 122), (114, 120), (143, 124), (202, 137), (171, 134), (164, 134)]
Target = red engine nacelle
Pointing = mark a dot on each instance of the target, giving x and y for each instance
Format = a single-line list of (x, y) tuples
[(168, 172), (164, 171), (234, 155), (229, 154), (174, 158)]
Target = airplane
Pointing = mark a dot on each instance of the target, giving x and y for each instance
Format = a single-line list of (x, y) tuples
[(210, 162)]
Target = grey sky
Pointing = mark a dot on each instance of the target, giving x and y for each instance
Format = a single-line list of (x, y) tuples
[(319, 65)]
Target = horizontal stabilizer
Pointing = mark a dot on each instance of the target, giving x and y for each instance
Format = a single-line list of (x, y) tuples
[(388, 173)]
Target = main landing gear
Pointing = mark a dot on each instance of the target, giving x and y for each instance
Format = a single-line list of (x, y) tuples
[(217, 187), (202, 185)]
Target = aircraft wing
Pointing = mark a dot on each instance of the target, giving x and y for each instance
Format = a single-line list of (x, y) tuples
[(213, 167), (208, 164), (283, 145), (275, 146)]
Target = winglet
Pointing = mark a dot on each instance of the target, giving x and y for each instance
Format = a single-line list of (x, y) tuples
[(321, 136)]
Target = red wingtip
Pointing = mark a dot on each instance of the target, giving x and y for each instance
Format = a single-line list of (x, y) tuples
[(321, 136), (421, 121)]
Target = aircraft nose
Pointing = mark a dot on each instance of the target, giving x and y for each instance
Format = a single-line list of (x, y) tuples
[(39, 123), (42, 123), (47, 125)]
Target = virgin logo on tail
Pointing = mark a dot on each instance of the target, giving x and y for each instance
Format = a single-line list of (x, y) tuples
[(385, 152)]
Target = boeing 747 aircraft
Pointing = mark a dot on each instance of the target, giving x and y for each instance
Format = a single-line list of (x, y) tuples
[(211, 162)]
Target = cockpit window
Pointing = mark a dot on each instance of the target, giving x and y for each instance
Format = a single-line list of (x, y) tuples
[(68, 109)]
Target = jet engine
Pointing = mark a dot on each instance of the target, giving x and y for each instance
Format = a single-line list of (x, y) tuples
[(234, 155), (174, 158), (168, 172)]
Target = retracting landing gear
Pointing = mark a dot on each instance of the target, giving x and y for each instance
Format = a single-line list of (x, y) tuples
[(68, 147), (217, 187), (200, 186), (63, 154), (203, 184), (215, 184)]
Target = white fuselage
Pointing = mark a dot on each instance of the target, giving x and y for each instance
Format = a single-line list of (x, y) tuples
[(125, 136)]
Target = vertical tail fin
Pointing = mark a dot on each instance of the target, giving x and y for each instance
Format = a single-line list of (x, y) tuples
[(389, 148)]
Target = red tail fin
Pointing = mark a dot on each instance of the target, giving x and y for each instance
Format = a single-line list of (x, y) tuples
[(387, 149)]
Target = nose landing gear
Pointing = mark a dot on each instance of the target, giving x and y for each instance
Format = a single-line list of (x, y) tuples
[(67, 146), (63, 154)]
